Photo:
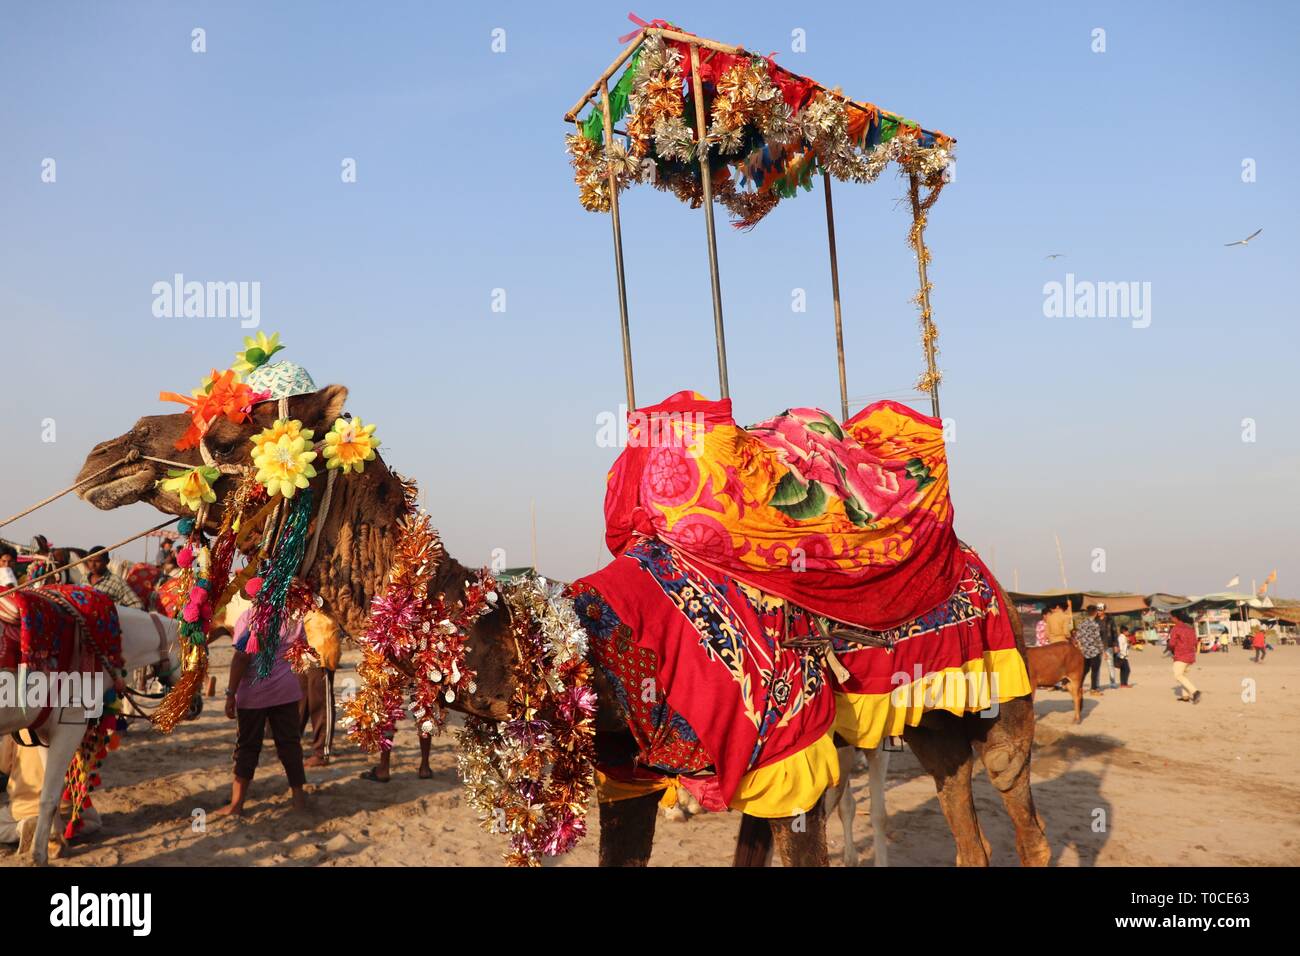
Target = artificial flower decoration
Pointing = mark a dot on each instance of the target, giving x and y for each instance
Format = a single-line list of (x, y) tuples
[(349, 445), (205, 387), (193, 486), (227, 396), (257, 351), (284, 426), (285, 465)]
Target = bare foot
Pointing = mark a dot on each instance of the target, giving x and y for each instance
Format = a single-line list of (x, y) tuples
[(425, 773), (230, 810), (299, 800), (316, 761)]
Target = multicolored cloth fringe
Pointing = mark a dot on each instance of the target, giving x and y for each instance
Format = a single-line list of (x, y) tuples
[(851, 521)]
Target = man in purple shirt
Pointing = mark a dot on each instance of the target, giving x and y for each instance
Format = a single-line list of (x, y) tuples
[(255, 703)]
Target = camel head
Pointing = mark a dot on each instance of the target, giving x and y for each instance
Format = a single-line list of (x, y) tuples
[(156, 436)]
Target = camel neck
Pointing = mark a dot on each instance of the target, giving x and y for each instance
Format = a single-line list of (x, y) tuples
[(357, 548)]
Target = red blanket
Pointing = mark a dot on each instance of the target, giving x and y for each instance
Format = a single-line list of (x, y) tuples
[(852, 521), (695, 662), (59, 628)]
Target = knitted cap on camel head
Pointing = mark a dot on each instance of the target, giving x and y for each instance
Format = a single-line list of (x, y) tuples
[(281, 379)]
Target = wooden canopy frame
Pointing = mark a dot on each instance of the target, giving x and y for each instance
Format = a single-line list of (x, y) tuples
[(600, 88)]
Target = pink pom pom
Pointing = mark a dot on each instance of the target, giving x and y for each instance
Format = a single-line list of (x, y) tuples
[(191, 612), (252, 646), (186, 556), (253, 586)]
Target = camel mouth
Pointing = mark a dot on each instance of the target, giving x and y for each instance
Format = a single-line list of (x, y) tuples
[(123, 488)]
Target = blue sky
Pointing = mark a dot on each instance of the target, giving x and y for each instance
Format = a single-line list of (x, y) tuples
[(226, 166)]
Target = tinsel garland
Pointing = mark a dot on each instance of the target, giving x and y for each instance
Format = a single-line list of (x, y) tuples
[(531, 775), (934, 179), (752, 125), (204, 576), (414, 633), (101, 737), (270, 612)]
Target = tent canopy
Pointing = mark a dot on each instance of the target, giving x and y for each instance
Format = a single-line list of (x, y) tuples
[(1117, 602)]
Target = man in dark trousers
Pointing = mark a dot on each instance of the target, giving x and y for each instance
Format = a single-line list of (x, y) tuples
[(1109, 639)]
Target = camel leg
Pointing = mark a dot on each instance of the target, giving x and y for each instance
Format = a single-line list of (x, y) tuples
[(1076, 692), (627, 830), (941, 746), (64, 741), (801, 839), (877, 771), (1004, 744), (753, 842)]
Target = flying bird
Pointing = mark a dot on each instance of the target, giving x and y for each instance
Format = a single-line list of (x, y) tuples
[(1242, 242), (1055, 255)]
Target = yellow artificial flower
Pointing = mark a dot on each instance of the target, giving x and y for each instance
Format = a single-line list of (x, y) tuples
[(193, 486), (257, 351), (349, 445), (284, 426), (285, 465)]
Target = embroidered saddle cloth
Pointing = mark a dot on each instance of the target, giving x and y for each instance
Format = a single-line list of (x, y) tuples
[(725, 684), (58, 628)]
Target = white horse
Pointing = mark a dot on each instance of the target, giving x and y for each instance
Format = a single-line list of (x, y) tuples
[(840, 797), (837, 798), (148, 638)]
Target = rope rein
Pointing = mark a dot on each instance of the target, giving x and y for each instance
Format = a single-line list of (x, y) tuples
[(269, 531)]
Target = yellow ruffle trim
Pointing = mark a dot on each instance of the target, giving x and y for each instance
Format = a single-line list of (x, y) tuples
[(790, 786), (863, 719)]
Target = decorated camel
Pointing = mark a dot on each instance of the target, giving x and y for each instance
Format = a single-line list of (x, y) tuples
[(376, 566), (100, 640)]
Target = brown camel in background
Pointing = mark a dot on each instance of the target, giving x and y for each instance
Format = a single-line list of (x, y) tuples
[(352, 563)]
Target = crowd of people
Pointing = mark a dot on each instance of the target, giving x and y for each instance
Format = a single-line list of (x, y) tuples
[(1101, 639), (286, 702)]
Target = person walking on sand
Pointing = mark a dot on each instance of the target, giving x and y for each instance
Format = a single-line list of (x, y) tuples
[(1088, 637), (254, 704), (1259, 643), (1182, 644), (1123, 643), (1109, 640)]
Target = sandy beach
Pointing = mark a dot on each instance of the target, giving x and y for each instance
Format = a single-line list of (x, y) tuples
[(1143, 780)]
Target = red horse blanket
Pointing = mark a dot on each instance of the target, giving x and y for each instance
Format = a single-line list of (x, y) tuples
[(852, 521), (697, 664), (59, 628)]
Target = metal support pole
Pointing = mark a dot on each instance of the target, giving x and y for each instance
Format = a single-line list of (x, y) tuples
[(618, 254), (835, 293), (707, 181)]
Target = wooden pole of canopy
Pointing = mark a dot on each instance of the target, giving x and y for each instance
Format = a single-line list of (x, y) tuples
[(835, 294), (609, 71), (618, 253), (702, 147)]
